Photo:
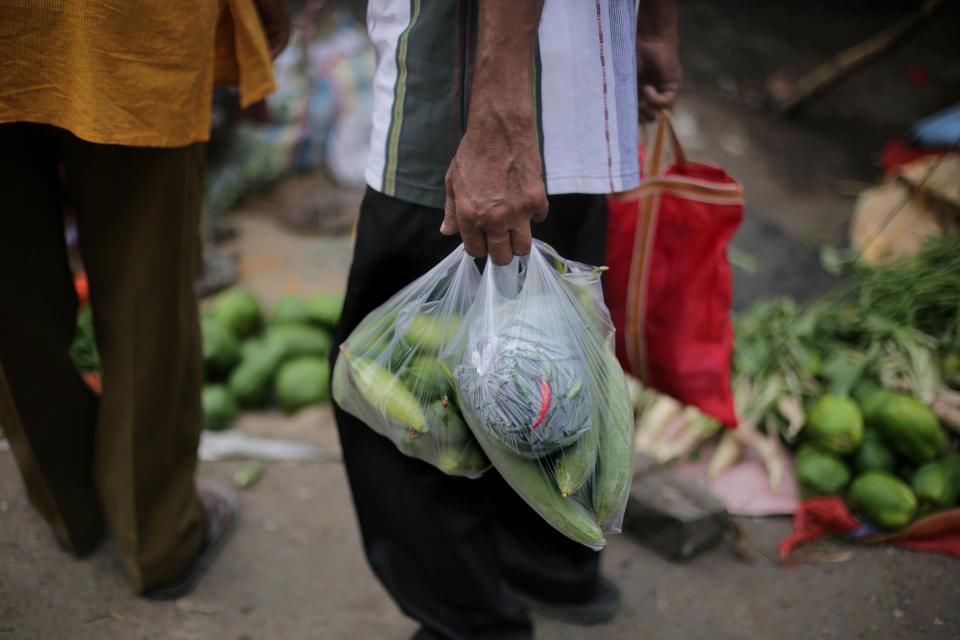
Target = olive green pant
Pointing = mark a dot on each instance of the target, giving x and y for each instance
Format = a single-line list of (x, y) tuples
[(128, 457)]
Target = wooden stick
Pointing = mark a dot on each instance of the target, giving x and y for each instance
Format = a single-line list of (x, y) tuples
[(815, 82)]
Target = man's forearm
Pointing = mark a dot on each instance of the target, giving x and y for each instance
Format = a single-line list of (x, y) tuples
[(657, 19), (501, 87)]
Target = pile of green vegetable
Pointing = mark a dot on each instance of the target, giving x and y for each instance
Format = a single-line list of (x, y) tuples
[(252, 359), (863, 385), (886, 449)]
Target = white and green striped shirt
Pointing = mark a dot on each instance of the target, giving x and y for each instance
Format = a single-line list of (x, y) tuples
[(585, 85)]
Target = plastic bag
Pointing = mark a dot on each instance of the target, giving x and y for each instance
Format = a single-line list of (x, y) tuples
[(389, 375), (543, 393)]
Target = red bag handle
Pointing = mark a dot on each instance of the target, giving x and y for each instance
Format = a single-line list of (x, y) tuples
[(663, 135)]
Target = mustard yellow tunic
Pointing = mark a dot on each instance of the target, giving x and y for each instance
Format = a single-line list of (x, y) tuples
[(130, 72)]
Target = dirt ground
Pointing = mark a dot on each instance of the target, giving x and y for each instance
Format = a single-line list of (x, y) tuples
[(295, 569)]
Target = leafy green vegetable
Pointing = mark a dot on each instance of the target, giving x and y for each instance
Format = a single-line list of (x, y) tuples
[(83, 349), (921, 292)]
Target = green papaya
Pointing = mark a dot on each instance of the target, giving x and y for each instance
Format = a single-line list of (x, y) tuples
[(613, 476), (910, 427), (820, 472), (374, 333), (575, 464), (952, 464), (445, 424), (298, 340), (426, 378), (871, 404), (431, 333), (873, 454), (250, 381), (467, 461), (324, 309), (238, 310), (290, 310), (303, 382), (402, 355), (883, 499), (536, 487), (384, 392), (250, 345), (221, 352), (219, 408), (933, 486), (835, 424), (414, 444)]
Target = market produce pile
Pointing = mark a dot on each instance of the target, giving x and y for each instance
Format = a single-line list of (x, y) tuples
[(252, 360), (863, 385), (512, 369)]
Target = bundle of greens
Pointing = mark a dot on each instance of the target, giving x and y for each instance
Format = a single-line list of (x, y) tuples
[(921, 292), (527, 388)]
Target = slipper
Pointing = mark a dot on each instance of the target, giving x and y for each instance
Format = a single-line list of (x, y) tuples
[(220, 505)]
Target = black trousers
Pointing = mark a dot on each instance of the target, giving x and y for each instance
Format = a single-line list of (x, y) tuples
[(449, 549)]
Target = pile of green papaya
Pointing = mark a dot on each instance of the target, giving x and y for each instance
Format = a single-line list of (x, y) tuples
[(253, 359), (884, 450), (389, 375)]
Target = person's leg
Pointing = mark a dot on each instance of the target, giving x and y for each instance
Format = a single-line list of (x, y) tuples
[(428, 537), (46, 410), (137, 218)]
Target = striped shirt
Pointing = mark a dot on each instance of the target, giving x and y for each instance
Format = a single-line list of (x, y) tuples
[(585, 86)]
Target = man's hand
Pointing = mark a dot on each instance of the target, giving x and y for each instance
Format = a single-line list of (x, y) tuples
[(495, 181), (658, 62), (494, 189), (658, 76), (275, 16)]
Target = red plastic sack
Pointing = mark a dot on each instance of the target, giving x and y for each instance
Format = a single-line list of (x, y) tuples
[(819, 517), (669, 288)]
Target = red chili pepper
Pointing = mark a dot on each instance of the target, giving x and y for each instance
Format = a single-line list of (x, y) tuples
[(545, 396)]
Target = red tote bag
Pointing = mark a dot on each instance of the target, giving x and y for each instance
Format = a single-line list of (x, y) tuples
[(668, 286)]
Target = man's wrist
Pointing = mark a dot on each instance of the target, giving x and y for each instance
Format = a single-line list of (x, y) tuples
[(657, 21)]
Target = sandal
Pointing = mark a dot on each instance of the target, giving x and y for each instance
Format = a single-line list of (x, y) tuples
[(220, 506)]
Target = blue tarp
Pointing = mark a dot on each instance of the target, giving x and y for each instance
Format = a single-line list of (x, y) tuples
[(939, 130)]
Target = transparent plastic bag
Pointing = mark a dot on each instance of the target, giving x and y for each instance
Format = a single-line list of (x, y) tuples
[(390, 376), (542, 391)]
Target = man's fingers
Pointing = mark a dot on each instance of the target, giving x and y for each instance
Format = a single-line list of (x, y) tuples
[(540, 214), (473, 241), (520, 240), (499, 248), (658, 99), (449, 225), (647, 114)]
